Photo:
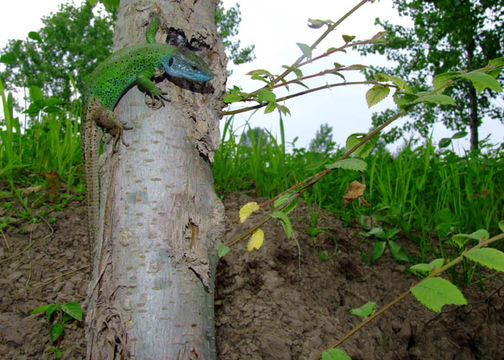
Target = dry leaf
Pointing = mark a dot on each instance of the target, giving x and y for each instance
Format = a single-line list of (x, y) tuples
[(353, 191)]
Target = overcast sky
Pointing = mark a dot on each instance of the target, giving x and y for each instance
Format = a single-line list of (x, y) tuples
[(275, 26)]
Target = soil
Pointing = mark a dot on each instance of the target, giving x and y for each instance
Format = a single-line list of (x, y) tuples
[(280, 302)]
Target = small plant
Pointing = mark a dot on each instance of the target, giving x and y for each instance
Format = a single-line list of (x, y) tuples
[(383, 239), (63, 314)]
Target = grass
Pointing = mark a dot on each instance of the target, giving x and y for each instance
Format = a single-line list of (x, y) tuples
[(428, 194), (425, 193)]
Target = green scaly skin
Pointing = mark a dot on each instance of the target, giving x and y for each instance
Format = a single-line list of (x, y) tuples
[(109, 81)]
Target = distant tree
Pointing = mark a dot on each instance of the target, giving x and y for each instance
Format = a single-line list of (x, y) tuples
[(227, 24), (253, 136), (323, 142), (447, 35), (73, 41)]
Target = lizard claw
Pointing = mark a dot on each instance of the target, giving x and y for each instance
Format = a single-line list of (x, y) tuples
[(117, 133), (155, 99)]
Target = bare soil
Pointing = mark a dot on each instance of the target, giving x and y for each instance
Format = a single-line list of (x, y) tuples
[(280, 302)]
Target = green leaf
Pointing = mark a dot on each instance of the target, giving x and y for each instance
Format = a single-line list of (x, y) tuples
[(498, 62), (365, 310), (51, 308), (307, 51), (489, 257), (421, 270), (292, 205), (444, 79), (482, 81), (36, 93), (283, 109), (66, 318), (378, 250), (260, 78), (39, 309), (445, 142), (282, 200), (366, 148), (349, 164), (337, 73), (403, 100), (259, 72), (286, 223), (335, 354), (270, 107), (348, 38), (8, 58), (398, 251), (55, 331), (376, 94), (265, 95), (34, 36), (356, 67), (316, 23), (296, 70), (231, 98), (223, 250), (435, 99), (501, 225), (459, 135), (73, 309), (436, 292), (313, 231), (437, 263), (461, 239), (400, 83)]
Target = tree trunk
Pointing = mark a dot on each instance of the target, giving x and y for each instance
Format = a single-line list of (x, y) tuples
[(473, 118), (152, 291)]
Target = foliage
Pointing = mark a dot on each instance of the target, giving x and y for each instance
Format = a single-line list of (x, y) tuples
[(323, 142), (56, 57), (58, 315), (227, 21), (50, 147), (73, 41), (447, 36)]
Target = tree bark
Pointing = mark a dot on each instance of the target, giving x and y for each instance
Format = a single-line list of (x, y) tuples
[(152, 291)]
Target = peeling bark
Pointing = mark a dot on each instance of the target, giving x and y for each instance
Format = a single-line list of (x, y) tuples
[(160, 221)]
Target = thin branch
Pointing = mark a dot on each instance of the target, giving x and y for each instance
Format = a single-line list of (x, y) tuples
[(258, 106), (405, 294)]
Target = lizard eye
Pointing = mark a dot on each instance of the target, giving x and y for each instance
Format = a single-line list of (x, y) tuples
[(170, 62), (193, 67)]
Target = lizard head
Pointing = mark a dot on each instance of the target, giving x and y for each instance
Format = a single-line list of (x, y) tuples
[(185, 64)]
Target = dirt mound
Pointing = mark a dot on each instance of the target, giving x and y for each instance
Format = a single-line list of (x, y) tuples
[(281, 302)]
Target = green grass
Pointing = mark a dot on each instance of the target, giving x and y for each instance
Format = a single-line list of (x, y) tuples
[(49, 145), (427, 194)]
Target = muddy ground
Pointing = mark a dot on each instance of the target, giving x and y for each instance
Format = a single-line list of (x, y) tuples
[(281, 302)]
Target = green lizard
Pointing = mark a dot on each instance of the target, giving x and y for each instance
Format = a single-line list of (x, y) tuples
[(109, 81)]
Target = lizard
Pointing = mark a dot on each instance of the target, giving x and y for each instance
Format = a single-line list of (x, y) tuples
[(136, 64)]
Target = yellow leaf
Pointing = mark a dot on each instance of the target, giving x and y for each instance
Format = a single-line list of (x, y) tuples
[(256, 240), (248, 209)]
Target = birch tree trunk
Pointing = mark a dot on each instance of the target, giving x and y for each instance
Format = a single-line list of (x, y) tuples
[(152, 291)]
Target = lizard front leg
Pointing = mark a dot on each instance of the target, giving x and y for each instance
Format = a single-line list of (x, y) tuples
[(143, 79)]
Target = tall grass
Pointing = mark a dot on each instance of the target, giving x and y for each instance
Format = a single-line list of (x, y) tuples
[(427, 194), (51, 144)]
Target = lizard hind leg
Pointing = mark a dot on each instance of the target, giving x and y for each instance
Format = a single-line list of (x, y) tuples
[(106, 119)]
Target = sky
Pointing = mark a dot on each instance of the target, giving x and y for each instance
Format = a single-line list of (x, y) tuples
[(274, 27)]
